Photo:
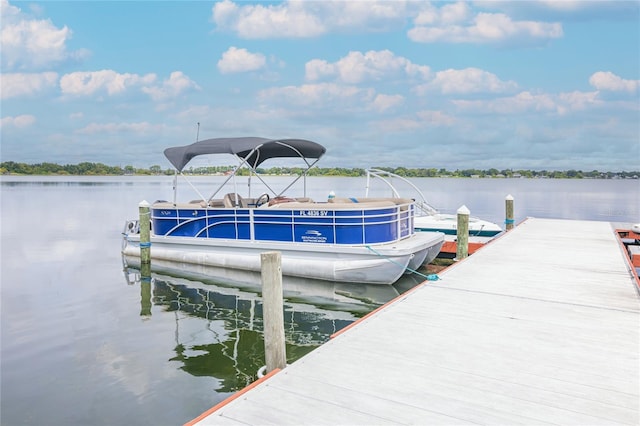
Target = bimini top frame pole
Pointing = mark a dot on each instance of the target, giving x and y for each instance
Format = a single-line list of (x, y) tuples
[(253, 172)]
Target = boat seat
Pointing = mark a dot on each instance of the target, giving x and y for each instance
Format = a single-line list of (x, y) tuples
[(162, 204), (343, 200), (230, 201), (280, 200), (402, 202), (199, 203), (216, 203), (397, 201)]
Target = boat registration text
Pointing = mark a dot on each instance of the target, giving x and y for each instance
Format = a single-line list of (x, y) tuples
[(314, 213)]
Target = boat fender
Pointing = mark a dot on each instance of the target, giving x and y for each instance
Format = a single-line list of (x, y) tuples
[(262, 371)]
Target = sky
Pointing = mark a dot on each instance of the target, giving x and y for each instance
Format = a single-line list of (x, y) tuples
[(540, 85)]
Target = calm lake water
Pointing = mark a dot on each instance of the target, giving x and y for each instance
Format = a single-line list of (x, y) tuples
[(85, 342)]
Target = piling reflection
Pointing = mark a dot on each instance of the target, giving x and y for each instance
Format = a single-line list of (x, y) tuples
[(218, 315), (145, 290), (145, 298)]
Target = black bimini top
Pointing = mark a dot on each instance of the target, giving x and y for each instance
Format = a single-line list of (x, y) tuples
[(252, 149)]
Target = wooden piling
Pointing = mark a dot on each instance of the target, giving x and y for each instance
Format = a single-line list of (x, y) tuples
[(462, 241), (508, 221), (145, 232), (273, 311)]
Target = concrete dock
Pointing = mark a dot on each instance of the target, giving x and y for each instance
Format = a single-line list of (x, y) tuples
[(542, 326)]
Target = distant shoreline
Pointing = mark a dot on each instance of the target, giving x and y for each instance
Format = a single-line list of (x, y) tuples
[(98, 169)]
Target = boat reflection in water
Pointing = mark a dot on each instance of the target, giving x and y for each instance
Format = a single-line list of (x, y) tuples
[(218, 314)]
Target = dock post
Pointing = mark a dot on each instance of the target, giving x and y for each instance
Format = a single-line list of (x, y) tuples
[(462, 241), (145, 232), (272, 310), (508, 221)]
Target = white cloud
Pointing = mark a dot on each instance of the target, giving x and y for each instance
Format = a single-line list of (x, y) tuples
[(317, 69), (447, 26), (31, 43), (113, 83), (97, 128), (399, 124), (446, 15), (609, 81), (423, 119), (258, 21), (328, 96), (19, 121), (240, 60), (436, 118), (302, 19), (382, 103), (88, 83), (526, 101), (574, 101), (469, 80), (357, 67), (451, 22), (9, 14), (452, 13), (225, 13), (317, 94), (522, 102), (176, 84), (18, 84)]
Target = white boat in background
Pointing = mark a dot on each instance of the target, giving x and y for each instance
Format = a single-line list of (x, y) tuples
[(429, 219), (373, 241)]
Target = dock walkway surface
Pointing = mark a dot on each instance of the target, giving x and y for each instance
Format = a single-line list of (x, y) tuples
[(539, 327)]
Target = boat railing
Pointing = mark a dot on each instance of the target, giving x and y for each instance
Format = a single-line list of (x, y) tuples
[(422, 206), (424, 209)]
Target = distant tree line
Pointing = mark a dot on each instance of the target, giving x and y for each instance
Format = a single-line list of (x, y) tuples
[(99, 169), (11, 167)]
